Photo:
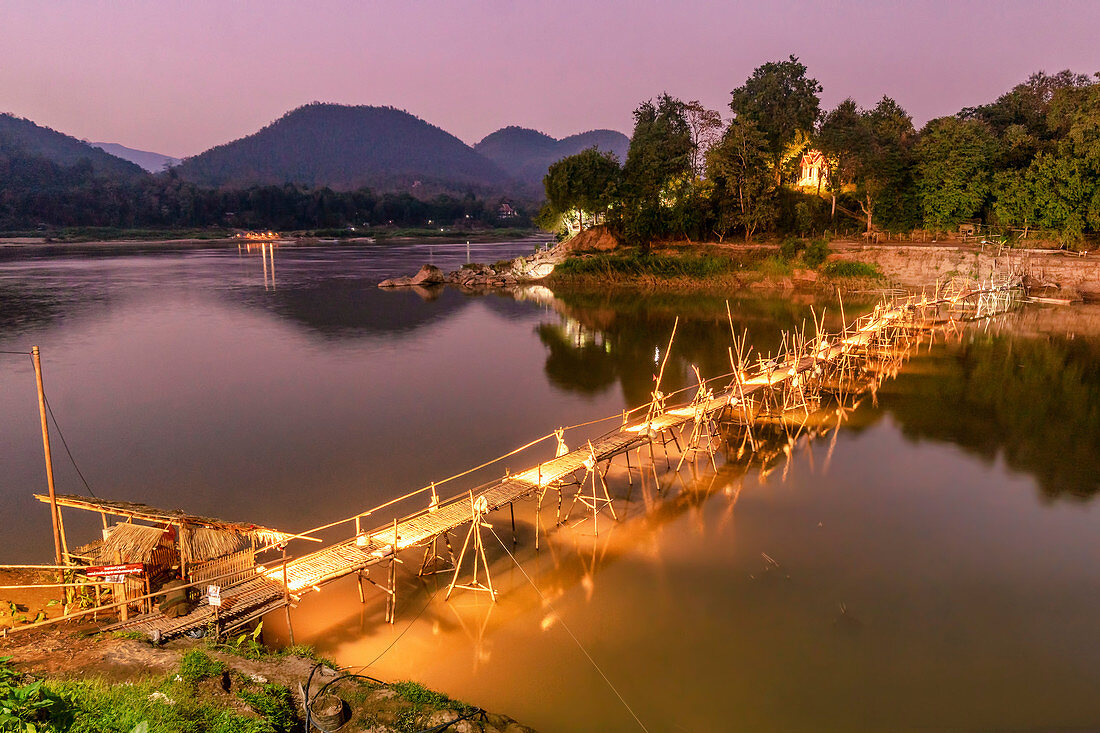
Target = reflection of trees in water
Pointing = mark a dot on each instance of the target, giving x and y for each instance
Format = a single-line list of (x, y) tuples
[(1034, 400), (604, 338), (28, 308)]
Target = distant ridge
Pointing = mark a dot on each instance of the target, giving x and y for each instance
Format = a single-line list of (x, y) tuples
[(152, 162), (526, 154), (346, 147), (23, 139)]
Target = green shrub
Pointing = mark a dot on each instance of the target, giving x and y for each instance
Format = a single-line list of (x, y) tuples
[(197, 665), (275, 704), (22, 705), (815, 253), (848, 268), (790, 248)]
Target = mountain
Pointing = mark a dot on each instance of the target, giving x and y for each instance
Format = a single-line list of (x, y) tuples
[(152, 162), (23, 139), (526, 154), (346, 148)]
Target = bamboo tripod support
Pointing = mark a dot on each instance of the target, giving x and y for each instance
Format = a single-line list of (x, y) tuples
[(478, 509)]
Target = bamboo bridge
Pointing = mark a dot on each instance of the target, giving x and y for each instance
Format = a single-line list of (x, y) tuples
[(864, 352)]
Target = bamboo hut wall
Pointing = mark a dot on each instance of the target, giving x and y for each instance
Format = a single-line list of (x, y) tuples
[(241, 563)]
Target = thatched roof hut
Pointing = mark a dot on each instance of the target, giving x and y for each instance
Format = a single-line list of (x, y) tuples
[(191, 538)]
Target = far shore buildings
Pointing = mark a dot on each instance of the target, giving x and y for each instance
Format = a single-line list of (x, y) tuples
[(815, 171)]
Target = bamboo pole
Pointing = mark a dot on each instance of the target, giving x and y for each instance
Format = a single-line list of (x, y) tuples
[(35, 357)]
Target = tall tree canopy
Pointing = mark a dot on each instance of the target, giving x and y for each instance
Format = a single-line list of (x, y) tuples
[(954, 159), (658, 168), (585, 183), (874, 147), (783, 103), (744, 194)]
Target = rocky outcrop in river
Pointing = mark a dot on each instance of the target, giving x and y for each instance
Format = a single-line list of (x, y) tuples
[(478, 276)]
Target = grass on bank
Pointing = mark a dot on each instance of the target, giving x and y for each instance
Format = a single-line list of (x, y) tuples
[(712, 268), (203, 694), (172, 703)]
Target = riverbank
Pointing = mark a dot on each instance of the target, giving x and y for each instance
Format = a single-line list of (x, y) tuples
[(67, 679), (86, 236), (594, 259)]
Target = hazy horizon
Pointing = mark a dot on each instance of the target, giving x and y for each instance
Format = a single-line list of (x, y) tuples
[(180, 79)]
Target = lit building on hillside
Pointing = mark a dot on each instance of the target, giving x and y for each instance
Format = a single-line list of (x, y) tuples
[(815, 170)]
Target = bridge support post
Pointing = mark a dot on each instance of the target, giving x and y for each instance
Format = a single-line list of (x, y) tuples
[(391, 600), (593, 502), (478, 510)]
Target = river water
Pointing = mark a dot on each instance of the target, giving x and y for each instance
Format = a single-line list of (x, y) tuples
[(933, 563)]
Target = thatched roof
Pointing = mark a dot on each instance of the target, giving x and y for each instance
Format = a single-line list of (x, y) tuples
[(205, 543), (126, 543), (134, 510)]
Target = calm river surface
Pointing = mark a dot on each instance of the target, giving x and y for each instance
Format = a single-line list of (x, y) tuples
[(935, 563)]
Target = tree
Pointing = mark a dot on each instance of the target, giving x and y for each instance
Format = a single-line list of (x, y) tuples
[(953, 170), (783, 103), (839, 140), (584, 183), (706, 130), (658, 167), (875, 147), (1013, 199), (1026, 104), (745, 190)]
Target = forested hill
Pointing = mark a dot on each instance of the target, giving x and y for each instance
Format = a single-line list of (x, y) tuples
[(25, 141), (346, 148), (526, 154)]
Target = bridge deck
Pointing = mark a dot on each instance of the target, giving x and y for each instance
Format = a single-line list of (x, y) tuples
[(269, 589), (352, 555)]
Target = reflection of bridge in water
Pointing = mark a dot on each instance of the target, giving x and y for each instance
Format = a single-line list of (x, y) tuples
[(757, 395)]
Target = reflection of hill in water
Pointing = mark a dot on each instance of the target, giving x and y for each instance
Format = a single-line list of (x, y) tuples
[(351, 308), (1034, 400), (354, 308)]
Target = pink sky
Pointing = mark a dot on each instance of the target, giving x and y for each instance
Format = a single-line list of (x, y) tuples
[(179, 77)]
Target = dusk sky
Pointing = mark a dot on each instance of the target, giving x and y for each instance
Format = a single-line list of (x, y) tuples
[(179, 77)]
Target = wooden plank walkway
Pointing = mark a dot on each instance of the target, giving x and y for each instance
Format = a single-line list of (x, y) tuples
[(350, 556), (811, 359)]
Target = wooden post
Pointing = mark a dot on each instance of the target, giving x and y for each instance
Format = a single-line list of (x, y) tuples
[(286, 600), (46, 448), (124, 609), (61, 529), (538, 515), (393, 579), (183, 536)]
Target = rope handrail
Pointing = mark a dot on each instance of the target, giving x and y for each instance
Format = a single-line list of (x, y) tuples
[(785, 359)]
